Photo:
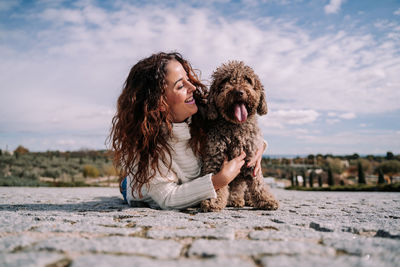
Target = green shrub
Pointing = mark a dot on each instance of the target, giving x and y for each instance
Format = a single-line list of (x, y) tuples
[(90, 171), (52, 173)]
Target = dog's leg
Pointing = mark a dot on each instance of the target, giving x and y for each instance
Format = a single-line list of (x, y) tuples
[(261, 198), (248, 198), (216, 204), (236, 192)]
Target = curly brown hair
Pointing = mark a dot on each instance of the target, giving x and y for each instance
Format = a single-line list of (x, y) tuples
[(142, 124)]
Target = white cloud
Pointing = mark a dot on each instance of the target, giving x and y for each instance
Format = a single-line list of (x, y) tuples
[(332, 114), (347, 116), (332, 121), (397, 12), (333, 7), (291, 117)]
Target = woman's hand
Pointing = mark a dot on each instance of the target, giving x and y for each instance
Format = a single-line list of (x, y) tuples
[(256, 160), (229, 170)]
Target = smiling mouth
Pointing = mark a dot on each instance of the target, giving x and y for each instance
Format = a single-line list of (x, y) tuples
[(190, 100)]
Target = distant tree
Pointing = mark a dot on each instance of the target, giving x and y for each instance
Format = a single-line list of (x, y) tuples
[(1, 152), (331, 182), (21, 150), (390, 167), (67, 156), (335, 164), (292, 178), (389, 155), (311, 178), (52, 173), (381, 178), (320, 180), (370, 157), (310, 159), (361, 174)]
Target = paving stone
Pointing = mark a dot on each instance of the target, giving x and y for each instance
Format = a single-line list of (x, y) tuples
[(167, 221), (162, 249), (287, 233), (316, 261), (121, 261), (208, 233), (389, 234), (11, 222), (362, 246), (28, 259), (208, 248), (87, 227), (10, 243), (322, 227)]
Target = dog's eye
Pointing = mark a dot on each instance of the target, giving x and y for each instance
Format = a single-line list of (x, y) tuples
[(248, 80), (223, 82)]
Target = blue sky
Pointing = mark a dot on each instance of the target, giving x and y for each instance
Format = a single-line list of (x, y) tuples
[(330, 68)]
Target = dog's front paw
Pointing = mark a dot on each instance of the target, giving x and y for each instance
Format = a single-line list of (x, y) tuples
[(236, 202), (270, 204), (210, 205)]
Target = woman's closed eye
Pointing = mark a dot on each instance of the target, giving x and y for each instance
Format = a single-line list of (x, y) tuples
[(182, 83)]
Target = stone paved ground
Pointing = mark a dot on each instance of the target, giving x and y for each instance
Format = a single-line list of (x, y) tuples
[(92, 227)]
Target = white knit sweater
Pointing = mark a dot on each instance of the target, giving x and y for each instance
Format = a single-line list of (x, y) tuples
[(181, 187)]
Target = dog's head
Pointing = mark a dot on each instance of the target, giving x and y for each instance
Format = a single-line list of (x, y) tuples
[(236, 93)]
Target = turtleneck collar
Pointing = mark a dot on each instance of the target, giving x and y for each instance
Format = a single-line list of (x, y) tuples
[(181, 131)]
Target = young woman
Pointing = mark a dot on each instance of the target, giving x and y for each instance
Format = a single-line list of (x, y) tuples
[(155, 143)]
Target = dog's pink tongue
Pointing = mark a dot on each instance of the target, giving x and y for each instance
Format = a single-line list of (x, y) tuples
[(240, 112)]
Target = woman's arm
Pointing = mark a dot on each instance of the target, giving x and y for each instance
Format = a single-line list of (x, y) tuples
[(169, 195), (256, 160)]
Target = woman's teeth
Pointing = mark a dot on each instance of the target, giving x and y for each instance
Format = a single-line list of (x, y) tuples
[(189, 100)]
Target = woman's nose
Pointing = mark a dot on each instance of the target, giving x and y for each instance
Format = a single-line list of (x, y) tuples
[(191, 86)]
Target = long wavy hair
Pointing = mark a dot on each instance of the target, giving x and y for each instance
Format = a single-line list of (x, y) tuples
[(142, 124)]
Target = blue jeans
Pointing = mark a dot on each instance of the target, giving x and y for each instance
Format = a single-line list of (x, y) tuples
[(123, 189)]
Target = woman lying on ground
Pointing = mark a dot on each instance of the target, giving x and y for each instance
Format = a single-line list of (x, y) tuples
[(156, 145)]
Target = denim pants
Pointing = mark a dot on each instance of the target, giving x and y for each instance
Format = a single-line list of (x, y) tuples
[(123, 188)]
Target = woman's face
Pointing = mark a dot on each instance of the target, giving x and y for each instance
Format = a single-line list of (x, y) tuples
[(179, 92)]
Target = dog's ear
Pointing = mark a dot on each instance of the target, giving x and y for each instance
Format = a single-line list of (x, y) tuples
[(262, 108)]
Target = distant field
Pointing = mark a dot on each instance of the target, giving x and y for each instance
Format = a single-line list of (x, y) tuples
[(53, 168), (95, 168)]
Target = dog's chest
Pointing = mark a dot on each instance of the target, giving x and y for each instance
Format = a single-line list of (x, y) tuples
[(242, 137)]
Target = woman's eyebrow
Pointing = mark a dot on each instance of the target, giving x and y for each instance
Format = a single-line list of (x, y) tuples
[(180, 79)]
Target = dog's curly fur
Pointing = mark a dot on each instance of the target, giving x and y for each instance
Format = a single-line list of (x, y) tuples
[(235, 83)]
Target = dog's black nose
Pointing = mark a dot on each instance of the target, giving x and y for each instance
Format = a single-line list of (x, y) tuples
[(239, 93)]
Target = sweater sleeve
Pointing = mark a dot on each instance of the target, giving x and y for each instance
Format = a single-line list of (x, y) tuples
[(170, 195)]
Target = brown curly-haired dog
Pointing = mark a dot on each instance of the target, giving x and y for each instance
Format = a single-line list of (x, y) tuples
[(236, 96)]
